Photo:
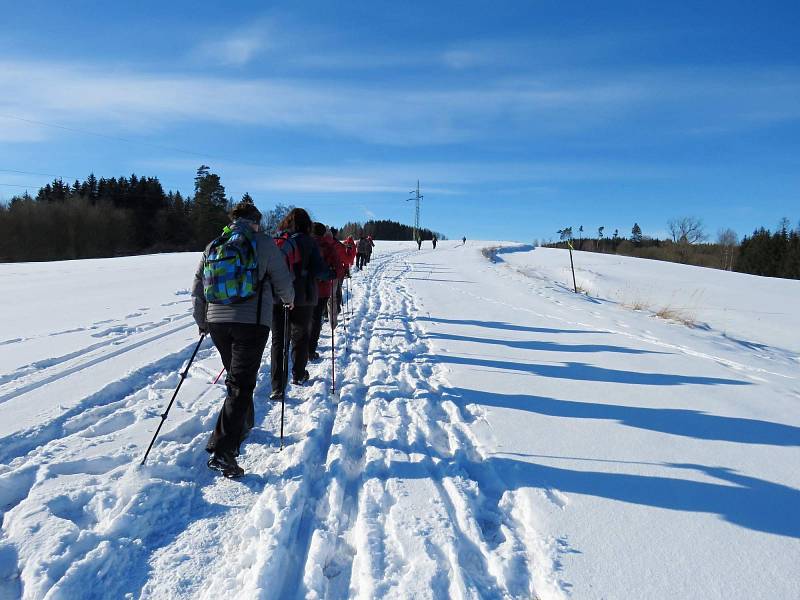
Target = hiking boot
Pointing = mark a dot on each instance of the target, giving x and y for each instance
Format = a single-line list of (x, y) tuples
[(301, 380), (276, 395), (313, 356), (225, 462)]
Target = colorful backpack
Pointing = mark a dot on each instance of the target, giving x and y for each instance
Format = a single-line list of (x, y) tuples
[(230, 271)]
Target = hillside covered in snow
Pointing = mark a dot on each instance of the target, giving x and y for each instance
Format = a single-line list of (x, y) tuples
[(492, 435)]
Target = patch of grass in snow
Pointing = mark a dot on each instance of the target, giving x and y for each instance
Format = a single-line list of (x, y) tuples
[(667, 312), (678, 315), (637, 304)]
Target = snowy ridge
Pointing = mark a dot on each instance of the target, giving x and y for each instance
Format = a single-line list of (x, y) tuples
[(492, 436)]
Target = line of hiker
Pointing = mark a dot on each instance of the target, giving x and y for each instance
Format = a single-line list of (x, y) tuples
[(248, 283), (364, 251), (434, 240)]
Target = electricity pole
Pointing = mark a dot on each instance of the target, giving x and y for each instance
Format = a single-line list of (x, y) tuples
[(416, 198)]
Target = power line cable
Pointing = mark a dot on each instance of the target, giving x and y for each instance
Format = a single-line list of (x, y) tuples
[(108, 137), (19, 185), (35, 173)]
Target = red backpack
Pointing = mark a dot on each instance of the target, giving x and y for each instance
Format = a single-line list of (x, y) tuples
[(290, 250)]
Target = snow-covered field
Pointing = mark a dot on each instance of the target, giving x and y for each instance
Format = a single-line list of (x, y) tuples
[(492, 435)]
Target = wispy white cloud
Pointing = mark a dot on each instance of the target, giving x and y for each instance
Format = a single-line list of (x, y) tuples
[(440, 180), (238, 48), (131, 100)]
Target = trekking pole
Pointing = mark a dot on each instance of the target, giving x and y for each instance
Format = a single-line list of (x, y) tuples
[(333, 362), (180, 383), (285, 374), (218, 376), (344, 308), (347, 320)]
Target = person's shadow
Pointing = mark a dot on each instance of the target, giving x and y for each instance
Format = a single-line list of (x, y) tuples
[(675, 421)]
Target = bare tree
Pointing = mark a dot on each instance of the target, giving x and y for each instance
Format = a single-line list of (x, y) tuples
[(728, 239), (687, 230), (273, 217)]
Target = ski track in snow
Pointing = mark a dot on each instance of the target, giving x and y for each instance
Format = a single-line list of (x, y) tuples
[(380, 491)]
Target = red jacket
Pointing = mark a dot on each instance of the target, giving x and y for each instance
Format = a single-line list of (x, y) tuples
[(333, 257), (342, 259), (350, 249)]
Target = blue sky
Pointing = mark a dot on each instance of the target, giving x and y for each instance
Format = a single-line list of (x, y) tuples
[(518, 118)]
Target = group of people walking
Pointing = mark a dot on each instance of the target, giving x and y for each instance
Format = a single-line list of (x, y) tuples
[(434, 240), (364, 251), (248, 283)]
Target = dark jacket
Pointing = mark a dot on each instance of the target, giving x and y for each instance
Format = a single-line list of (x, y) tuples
[(308, 271), (278, 282)]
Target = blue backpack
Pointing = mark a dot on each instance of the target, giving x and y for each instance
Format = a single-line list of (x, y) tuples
[(230, 271)]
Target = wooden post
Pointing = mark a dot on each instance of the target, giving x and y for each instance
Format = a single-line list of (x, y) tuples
[(572, 264)]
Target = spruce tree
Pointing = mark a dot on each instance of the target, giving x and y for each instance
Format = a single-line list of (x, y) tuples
[(636, 234), (209, 213)]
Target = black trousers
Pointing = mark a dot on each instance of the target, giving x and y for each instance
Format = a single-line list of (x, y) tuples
[(316, 325), (361, 260), (299, 333), (241, 347)]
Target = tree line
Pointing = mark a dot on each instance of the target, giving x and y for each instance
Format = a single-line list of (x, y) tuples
[(119, 216), (386, 230), (768, 253), (103, 217)]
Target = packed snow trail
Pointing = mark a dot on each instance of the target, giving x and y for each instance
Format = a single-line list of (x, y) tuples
[(367, 479), (492, 436)]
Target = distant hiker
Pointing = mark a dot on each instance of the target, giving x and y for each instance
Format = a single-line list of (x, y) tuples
[(307, 267), (433, 241), (344, 260), (419, 243), (464, 241), (370, 246), (350, 249), (234, 305), (334, 258), (361, 253)]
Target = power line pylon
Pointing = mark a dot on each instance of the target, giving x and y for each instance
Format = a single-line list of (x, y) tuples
[(416, 198)]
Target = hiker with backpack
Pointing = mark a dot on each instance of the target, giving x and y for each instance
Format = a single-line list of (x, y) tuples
[(433, 241), (334, 259), (306, 265), (350, 250), (370, 246), (344, 260), (361, 253), (233, 301)]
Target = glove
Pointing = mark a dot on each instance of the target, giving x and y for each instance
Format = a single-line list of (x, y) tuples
[(203, 329)]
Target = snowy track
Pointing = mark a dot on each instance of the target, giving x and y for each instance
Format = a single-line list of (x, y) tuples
[(431, 472)]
